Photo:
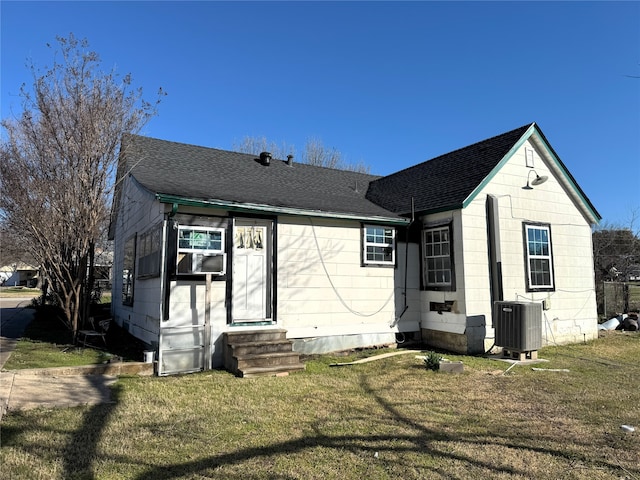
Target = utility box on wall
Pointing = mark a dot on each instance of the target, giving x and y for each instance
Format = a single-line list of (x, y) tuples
[(518, 325)]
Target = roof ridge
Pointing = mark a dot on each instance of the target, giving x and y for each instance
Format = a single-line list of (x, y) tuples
[(207, 174), (253, 155), (486, 140), (445, 181), (189, 145)]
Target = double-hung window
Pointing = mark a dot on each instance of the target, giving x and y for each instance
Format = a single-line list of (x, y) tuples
[(438, 271), (378, 245), (539, 260)]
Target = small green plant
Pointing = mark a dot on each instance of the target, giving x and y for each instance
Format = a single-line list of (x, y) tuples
[(432, 361)]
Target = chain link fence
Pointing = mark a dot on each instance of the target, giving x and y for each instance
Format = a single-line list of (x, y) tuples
[(615, 298)]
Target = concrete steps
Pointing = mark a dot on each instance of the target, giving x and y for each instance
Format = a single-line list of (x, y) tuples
[(260, 353)]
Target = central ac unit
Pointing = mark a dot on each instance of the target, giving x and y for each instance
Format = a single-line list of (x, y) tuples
[(518, 325)]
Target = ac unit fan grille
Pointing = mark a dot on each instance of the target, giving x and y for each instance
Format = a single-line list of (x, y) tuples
[(518, 325)]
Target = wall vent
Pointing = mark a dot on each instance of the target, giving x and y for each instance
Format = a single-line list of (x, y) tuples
[(518, 325)]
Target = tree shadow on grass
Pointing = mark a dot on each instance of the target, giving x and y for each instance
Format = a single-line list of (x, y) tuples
[(402, 435), (406, 436), (47, 327), (81, 450)]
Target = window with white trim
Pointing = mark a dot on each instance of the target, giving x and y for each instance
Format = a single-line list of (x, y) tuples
[(539, 260), (438, 270), (378, 245), (201, 250)]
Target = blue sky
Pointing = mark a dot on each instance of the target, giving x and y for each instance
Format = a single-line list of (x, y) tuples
[(390, 84)]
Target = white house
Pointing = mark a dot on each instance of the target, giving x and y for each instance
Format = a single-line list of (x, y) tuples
[(18, 274), (209, 243)]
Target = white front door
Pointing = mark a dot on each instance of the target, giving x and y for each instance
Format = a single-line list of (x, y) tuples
[(251, 273)]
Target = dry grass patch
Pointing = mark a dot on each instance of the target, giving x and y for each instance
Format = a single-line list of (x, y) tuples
[(19, 292), (386, 419)]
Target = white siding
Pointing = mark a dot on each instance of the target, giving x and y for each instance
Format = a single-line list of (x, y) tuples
[(322, 288), (188, 306), (410, 319), (139, 211), (572, 315), (454, 321)]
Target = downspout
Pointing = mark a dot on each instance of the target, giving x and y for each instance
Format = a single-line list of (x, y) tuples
[(174, 210), (406, 266), (169, 264), (495, 255), (496, 291)]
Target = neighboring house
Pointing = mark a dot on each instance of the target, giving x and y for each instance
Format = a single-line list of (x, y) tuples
[(22, 274), (633, 273), (210, 241), (102, 268), (19, 275)]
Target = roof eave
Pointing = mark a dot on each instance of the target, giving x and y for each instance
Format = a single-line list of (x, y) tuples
[(500, 164), (588, 209), (432, 211), (270, 209)]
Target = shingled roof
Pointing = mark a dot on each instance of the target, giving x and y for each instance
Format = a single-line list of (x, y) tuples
[(178, 172), (443, 183), (214, 176)]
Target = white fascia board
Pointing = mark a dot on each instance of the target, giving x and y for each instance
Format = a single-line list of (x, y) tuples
[(500, 164), (567, 180), (555, 165)]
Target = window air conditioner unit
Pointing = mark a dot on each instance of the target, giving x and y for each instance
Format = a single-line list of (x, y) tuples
[(201, 263), (518, 325)]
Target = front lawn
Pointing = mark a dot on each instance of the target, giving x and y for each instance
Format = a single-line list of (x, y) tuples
[(387, 419), (13, 292)]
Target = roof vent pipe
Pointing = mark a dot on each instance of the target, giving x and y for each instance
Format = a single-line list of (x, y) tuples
[(289, 160), (265, 158)]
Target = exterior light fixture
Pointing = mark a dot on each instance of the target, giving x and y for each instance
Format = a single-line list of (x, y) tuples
[(539, 180)]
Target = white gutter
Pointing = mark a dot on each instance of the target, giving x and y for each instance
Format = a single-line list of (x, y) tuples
[(253, 207)]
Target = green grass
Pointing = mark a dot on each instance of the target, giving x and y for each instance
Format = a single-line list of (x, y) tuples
[(387, 419), (48, 343), (105, 297), (634, 296), (8, 292), (34, 354)]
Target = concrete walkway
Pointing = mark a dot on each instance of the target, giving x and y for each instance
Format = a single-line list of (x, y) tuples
[(51, 387), (24, 390)]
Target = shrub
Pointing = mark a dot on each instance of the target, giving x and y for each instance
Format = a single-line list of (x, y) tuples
[(432, 361)]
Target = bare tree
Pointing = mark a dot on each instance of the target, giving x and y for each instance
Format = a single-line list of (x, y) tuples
[(616, 253), (12, 250), (13, 256), (616, 256), (256, 145), (57, 166), (315, 153)]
